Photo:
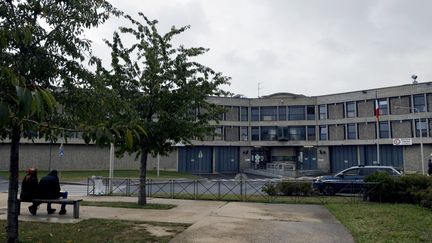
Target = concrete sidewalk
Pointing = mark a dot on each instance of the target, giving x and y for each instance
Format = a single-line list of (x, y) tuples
[(216, 221)]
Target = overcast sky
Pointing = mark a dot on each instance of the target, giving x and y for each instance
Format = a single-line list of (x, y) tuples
[(298, 46)]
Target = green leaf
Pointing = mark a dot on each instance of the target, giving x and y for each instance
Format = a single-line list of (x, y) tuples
[(25, 101), (27, 36), (10, 75), (141, 129), (86, 138), (4, 114), (47, 100), (37, 104), (129, 139)]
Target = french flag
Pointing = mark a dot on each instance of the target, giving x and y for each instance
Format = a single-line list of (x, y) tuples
[(377, 110)]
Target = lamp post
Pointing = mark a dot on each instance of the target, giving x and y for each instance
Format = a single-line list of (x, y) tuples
[(421, 133)]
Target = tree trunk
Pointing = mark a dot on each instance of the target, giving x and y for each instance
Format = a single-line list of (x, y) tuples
[(12, 210), (142, 199)]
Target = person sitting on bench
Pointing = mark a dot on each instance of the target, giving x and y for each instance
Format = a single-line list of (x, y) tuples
[(29, 189), (49, 188)]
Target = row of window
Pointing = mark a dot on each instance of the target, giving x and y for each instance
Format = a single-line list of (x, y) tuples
[(381, 105), (307, 112), (351, 130), (348, 131)]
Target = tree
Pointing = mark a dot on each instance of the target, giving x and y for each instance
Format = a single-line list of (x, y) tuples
[(165, 91), (41, 51)]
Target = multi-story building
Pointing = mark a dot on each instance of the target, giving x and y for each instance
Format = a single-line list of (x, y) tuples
[(290, 132)]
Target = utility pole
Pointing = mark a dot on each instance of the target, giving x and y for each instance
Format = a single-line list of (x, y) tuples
[(259, 88)]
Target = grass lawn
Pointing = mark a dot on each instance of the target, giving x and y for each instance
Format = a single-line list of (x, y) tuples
[(127, 205), (373, 222), (96, 230), (83, 175)]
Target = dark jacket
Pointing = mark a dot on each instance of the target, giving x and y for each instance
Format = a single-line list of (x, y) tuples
[(29, 188), (49, 186)]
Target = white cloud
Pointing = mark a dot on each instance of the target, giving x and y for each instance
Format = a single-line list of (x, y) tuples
[(298, 46)]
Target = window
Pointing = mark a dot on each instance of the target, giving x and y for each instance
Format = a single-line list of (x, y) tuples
[(232, 113), (282, 133), (384, 129), (244, 134), (323, 112), (282, 113), (296, 133), (421, 126), (255, 113), (218, 133), (419, 103), (310, 112), (268, 133), (311, 133), (221, 115), (255, 134), (296, 113), (350, 109), (244, 114), (383, 106), (351, 131), (323, 132), (268, 113), (351, 173)]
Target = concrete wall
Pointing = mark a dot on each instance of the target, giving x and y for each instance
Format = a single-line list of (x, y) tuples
[(365, 108), (401, 101), (232, 134), (323, 159), (401, 129), (335, 111), (245, 155), (78, 157), (336, 132), (412, 157), (366, 130)]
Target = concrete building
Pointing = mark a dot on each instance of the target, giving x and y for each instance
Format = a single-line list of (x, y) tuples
[(285, 133)]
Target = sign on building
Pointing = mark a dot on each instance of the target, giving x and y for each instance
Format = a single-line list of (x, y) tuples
[(402, 141)]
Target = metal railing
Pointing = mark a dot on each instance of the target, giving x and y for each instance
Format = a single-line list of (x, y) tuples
[(230, 190)]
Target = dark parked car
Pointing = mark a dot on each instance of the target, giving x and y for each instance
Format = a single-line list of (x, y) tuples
[(349, 180)]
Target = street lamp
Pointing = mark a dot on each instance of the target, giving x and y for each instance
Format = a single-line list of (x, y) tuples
[(421, 132)]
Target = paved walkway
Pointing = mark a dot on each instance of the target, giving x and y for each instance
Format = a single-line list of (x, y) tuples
[(216, 221)]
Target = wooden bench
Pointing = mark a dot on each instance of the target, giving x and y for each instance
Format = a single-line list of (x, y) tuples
[(75, 203)]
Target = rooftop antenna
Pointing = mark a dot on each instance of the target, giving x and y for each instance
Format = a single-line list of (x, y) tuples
[(259, 88), (414, 77)]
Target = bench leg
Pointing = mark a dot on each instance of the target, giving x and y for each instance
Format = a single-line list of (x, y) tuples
[(76, 210)]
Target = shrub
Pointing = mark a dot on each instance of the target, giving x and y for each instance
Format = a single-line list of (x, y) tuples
[(412, 185), (415, 189), (288, 188), (270, 189), (425, 197), (387, 189)]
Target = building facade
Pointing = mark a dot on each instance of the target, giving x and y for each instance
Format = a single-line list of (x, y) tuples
[(285, 132)]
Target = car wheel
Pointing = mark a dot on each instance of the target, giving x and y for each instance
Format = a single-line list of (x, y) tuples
[(329, 190)]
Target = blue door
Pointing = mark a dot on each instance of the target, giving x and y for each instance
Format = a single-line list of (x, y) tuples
[(307, 159), (227, 159), (389, 155), (195, 159), (342, 157)]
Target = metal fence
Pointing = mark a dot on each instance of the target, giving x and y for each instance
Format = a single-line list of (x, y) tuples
[(229, 190)]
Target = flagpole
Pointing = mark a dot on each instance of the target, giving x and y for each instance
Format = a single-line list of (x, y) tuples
[(377, 114)]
